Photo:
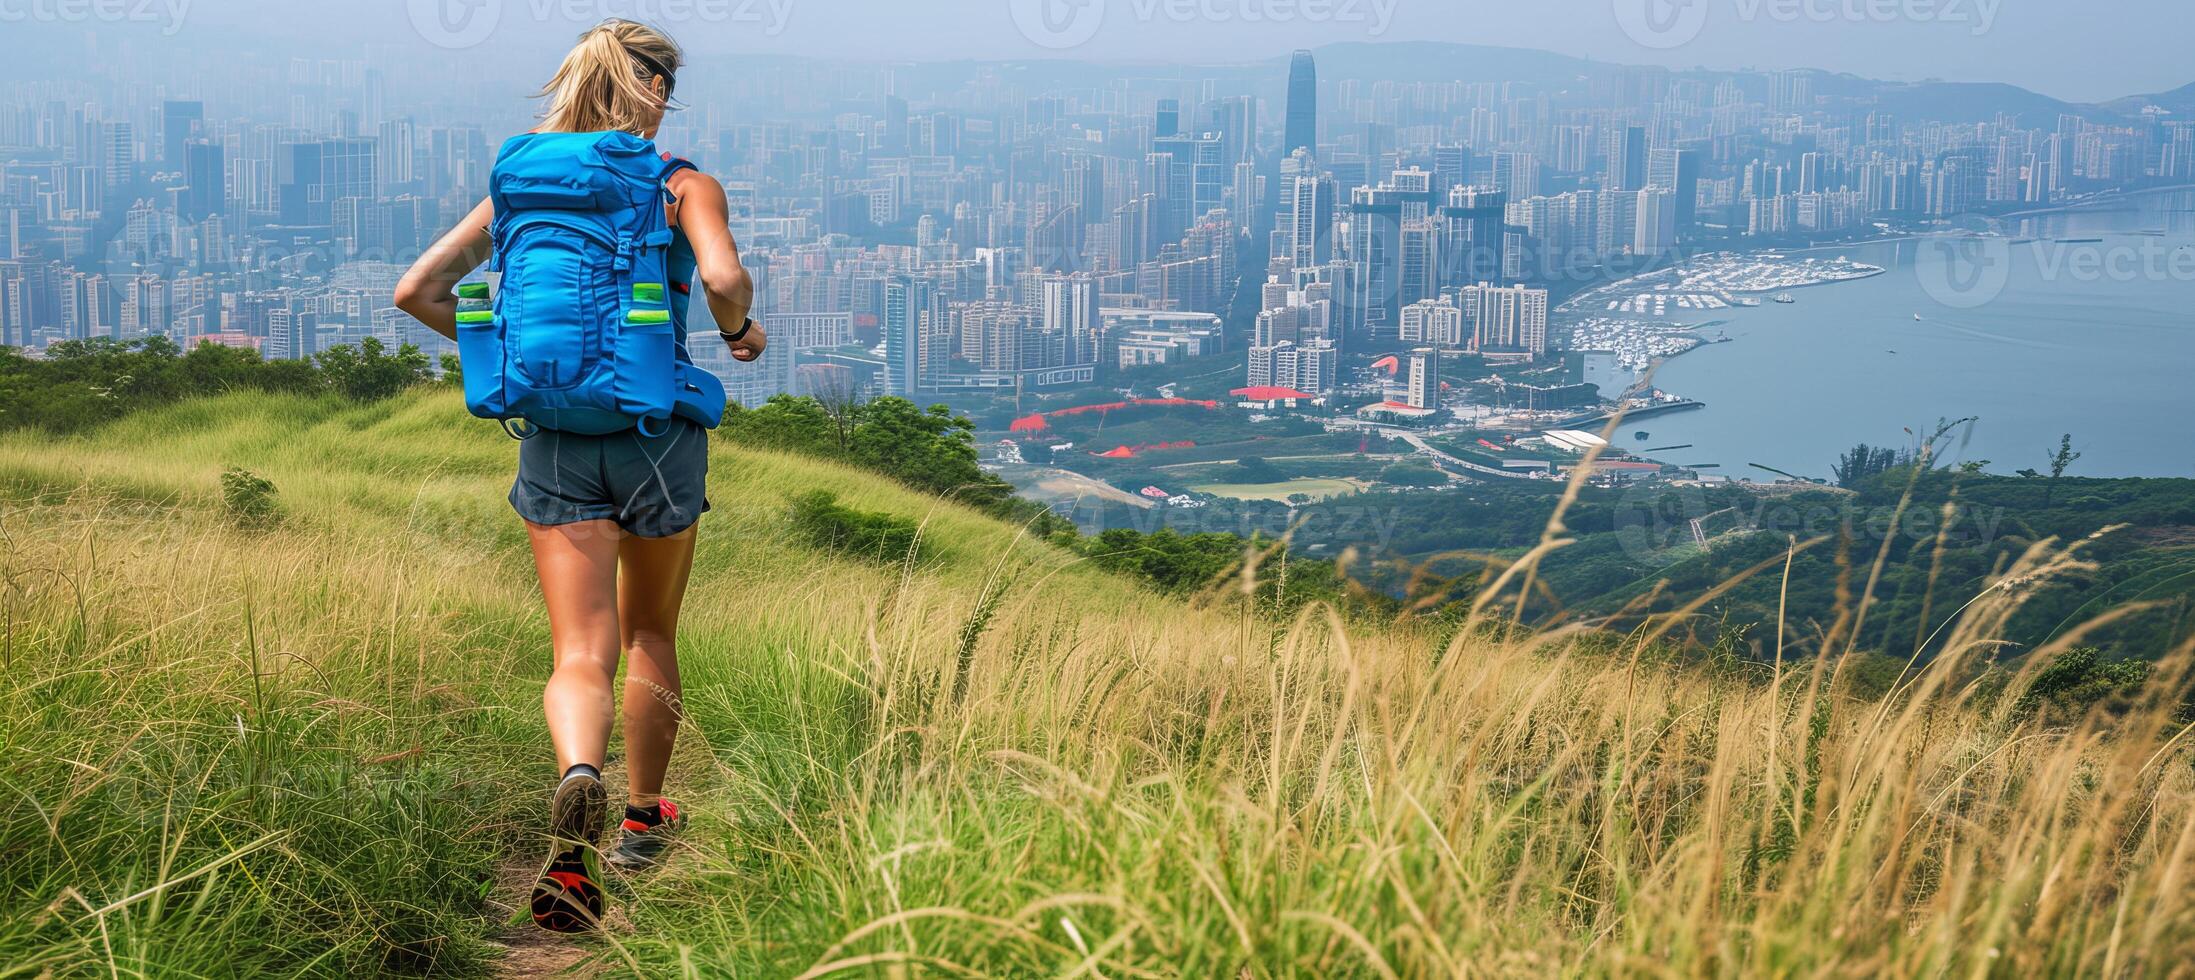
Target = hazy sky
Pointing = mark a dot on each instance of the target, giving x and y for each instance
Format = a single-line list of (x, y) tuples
[(2081, 51)]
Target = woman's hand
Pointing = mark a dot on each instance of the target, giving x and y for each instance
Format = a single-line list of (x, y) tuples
[(749, 348)]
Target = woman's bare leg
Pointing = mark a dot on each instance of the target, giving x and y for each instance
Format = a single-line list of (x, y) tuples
[(578, 568), (650, 591)]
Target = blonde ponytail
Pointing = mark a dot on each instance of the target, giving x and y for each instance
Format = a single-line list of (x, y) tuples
[(607, 82)]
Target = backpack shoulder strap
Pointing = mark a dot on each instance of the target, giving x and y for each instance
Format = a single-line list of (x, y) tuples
[(672, 167)]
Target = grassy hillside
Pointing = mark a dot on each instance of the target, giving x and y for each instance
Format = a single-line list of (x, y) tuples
[(316, 749)]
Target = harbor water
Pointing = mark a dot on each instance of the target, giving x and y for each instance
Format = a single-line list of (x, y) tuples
[(2078, 323)]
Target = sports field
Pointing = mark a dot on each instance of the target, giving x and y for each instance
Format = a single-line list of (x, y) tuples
[(1316, 489)]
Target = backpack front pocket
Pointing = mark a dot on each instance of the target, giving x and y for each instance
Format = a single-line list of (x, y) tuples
[(555, 301)]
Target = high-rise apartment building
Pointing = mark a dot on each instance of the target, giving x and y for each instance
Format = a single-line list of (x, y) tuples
[(1511, 319), (1302, 132), (1436, 322), (1424, 389)]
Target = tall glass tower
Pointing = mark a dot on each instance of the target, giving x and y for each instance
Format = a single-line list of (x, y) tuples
[(1303, 105)]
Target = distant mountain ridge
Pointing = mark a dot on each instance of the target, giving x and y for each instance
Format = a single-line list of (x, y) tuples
[(1442, 61), (1933, 99), (2179, 102)]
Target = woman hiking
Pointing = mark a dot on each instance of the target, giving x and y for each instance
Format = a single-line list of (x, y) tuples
[(598, 242)]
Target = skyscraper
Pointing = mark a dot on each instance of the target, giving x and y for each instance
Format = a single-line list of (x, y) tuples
[(1656, 222), (1678, 171), (205, 168), (311, 177), (907, 316), (1311, 221), (1169, 118), (179, 124), (119, 156), (1627, 163), (1424, 378), (1473, 236), (1303, 105)]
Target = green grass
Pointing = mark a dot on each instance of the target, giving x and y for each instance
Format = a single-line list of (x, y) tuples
[(315, 748)]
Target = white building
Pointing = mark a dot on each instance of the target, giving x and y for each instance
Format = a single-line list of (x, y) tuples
[(1439, 322), (1424, 379), (1145, 337), (809, 330), (1505, 319), (1309, 368)]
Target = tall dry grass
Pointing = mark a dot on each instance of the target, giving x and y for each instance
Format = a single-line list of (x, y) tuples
[(310, 750)]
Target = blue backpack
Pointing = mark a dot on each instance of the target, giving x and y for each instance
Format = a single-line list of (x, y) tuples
[(584, 335)]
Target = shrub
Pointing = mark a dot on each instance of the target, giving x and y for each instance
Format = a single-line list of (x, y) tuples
[(1412, 474), (1255, 469), (249, 500), (368, 372), (2080, 678), (832, 526)]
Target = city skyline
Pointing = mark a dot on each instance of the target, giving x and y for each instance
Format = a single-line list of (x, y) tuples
[(996, 235)]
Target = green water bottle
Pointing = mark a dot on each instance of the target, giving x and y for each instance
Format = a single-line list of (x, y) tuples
[(475, 304)]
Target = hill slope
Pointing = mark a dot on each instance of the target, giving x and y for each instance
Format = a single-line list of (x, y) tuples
[(315, 749)]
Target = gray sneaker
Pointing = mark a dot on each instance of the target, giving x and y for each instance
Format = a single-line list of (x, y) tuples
[(567, 897), (641, 846)]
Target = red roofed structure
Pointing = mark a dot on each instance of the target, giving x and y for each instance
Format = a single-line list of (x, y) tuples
[(1039, 422), (1272, 393), (1391, 365), (1129, 452)]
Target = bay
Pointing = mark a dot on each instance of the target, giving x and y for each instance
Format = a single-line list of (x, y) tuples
[(2078, 323)]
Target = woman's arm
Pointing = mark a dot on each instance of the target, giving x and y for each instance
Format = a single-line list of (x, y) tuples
[(705, 217), (428, 291)]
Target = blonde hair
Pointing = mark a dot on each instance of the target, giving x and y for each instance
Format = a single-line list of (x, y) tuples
[(605, 83)]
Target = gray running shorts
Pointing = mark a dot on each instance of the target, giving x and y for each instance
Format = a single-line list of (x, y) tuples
[(652, 488)]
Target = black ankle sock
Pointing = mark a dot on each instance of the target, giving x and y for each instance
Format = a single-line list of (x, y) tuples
[(648, 816), (583, 768)]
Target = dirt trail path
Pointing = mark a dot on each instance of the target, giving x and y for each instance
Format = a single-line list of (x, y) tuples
[(537, 952)]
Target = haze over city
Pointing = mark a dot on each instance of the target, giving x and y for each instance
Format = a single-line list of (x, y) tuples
[(2083, 53)]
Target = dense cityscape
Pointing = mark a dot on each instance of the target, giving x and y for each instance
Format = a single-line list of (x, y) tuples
[(1016, 238)]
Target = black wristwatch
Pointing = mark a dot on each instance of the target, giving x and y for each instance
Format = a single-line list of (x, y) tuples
[(741, 335)]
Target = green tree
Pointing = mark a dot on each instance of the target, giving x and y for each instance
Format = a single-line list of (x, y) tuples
[(931, 450), (368, 372), (1862, 463), (1411, 473), (1255, 469), (2060, 461)]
